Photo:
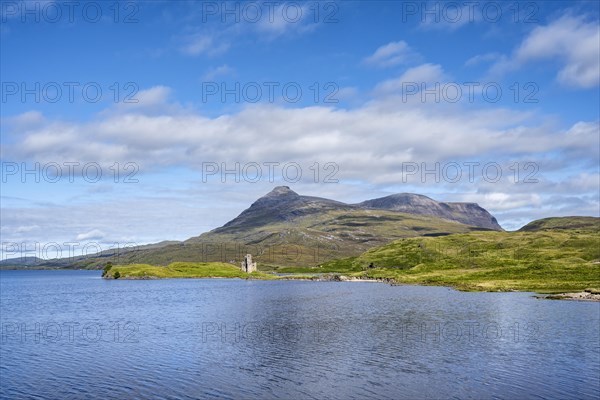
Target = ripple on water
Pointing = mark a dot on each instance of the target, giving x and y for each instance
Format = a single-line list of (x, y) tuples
[(311, 340)]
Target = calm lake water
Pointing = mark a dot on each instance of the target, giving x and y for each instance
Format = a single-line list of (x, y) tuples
[(73, 335)]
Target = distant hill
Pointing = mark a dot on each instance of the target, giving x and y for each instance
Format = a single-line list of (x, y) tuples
[(96, 260), (22, 262), (560, 223)]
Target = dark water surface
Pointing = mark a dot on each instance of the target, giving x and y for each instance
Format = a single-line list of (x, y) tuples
[(73, 335)]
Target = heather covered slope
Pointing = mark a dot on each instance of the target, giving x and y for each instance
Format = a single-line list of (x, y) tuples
[(588, 224), (550, 260)]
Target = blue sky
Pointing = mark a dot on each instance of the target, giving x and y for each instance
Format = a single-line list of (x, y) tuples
[(497, 100)]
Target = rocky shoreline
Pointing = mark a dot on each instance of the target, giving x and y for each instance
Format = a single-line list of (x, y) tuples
[(577, 296), (586, 295)]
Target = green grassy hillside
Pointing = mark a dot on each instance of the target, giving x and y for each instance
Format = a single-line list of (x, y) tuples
[(540, 261), (587, 224), (306, 241)]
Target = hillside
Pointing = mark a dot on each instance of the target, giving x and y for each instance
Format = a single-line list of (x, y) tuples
[(550, 260), (22, 262), (284, 228), (588, 224)]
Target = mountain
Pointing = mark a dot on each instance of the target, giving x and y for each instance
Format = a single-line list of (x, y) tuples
[(284, 205), (22, 262), (284, 228), (280, 205), (465, 213)]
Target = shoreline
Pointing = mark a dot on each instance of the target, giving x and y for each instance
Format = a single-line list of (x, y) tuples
[(573, 296), (584, 295)]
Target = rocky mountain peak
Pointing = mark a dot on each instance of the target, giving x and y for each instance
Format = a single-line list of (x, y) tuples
[(466, 213), (282, 204), (281, 191)]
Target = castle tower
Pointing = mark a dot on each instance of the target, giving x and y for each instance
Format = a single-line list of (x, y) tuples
[(248, 265)]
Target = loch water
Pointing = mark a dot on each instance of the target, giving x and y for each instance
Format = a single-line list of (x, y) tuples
[(74, 335)]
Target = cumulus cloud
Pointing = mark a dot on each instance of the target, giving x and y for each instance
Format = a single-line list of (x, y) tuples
[(369, 141), (154, 95), (25, 120), (572, 41)]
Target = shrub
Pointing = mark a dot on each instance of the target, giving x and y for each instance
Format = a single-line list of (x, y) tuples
[(117, 275), (107, 268)]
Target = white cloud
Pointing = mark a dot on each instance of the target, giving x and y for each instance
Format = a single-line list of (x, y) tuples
[(25, 120), (285, 18), (213, 73), (392, 54), (26, 228), (482, 58), (154, 95), (425, 73), (585, 182), (584, 132), (346, 93), (504, 200), (203, 44), (94, 234), (151, 101), (357, 139), (573, 41)]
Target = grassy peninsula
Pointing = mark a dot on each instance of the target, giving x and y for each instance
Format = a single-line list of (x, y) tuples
[(181, 270)]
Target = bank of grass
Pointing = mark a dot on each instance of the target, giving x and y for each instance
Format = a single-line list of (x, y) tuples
[(543, 262), (183, 270), (341, 266)]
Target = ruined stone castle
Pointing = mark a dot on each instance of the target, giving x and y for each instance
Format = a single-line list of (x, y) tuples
[(247, 264)]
